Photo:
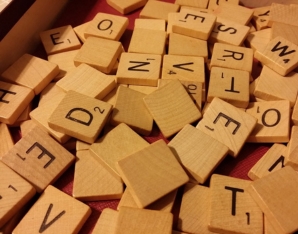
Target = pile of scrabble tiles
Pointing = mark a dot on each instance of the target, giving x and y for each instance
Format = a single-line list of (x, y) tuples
[(187, 69)]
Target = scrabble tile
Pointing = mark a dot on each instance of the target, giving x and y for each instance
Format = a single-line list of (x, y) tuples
[(139, 69), (147, 41), (165, 203), (13, 101), (96, 183), (125, 7), (42, 113), (154, 24), (213, 4), (107, 222), (268, 87), (172, 108), (80, 31), (26, 126), (24, 116), (194, 24), (149, 221), (99, 53), (50, 92), (15, 193), (192, 3), (232, 210), (38, 158), (259, 39), (189, 146), (107, 26), (57, 211), (241, 14), (81, 145), (76, 81), (64, 61), (230, 85), (269, 191), (261, 17), (191, 46), (284, 30), (280, 55), (158, 10), (142, 88), (80, 116), (294, 116), (227, 124), (5, 139), (32, 72), (291, 159), (59, 40), (273, 121), (230, 56), (282, 13), (194, 209), (202, 10), (131, 110), (268, 228), (111, 96), (115, 145), (151, 173), (229, 32)]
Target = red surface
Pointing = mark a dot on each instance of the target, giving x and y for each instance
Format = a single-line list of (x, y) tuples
[(79, 12)]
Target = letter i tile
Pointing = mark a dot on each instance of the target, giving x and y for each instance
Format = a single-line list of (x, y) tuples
[(232, 209)]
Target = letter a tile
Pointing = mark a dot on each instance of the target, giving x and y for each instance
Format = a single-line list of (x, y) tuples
[(232, 209), (54, 212)]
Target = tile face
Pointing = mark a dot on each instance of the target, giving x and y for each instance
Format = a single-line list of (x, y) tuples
[(15, 192), (280, 55), (5, 139), (192, 3), (190, 146), (259, 39), (227, 124), (269, 191), (80, 31), (107, 222), (149, 221), (273, 121), (38, 158), (287, 31), (171, 108), (151, 173), (282, 13), (80, 116), (59, 40), (53, 212), (261, 17), (154, 24), (292, 159), (215, 3), (232, 209), (126, 7)]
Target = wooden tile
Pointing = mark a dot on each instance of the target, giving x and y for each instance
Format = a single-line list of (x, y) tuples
[(158, 10), (111, 96), (284, 30), (13, 101), (64, 61), (270, 190), (42, 113), (192, 3), (99, 53), (227, 124), (172, 108), (81, 145), (231, 56), (194, 209), (268, 87), (147, 41), (24, 116), (131, 110), (6, 139), (107, 222), (229, 32), (194, 24), (230, 85), (261, 17), (26, 126), (273, 121), (282, 13), (241, 14), (57, 211), (115, 145), (165, 203), (280, 55), (32, 72), (142, 88), (292, 159), (259, 39), (213, 4), (59, 40), (28, 158), (80, 31), (96, 183), (139, 69), (125, 7), (107, 26), (80, 116), (154, 24), (149, 221), (189, 147), (76, 81), (15, 193), (50, 92), (202, 10), (232, 209), (268, 228)]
